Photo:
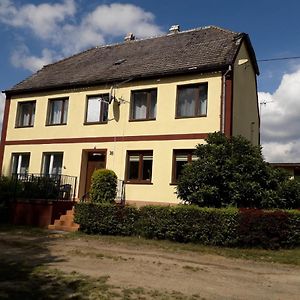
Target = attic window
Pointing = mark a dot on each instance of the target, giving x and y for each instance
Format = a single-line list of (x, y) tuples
[(120, 61)]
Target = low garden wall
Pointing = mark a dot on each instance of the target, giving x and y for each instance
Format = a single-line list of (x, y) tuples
[(36, 212), (186, 223)]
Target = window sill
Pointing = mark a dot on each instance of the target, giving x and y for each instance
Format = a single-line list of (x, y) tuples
[(173, 183), (139, 182), (60, 124), (28, 126), (94, 123), (141, 120), (190, 117)]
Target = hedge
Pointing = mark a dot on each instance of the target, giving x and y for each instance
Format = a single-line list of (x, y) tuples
[(188, 223)]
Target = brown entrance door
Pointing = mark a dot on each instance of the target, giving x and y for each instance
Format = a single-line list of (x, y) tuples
[(96, 160)]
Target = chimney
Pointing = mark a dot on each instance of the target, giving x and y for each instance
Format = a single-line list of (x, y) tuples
[(174, 29), (129, 37)]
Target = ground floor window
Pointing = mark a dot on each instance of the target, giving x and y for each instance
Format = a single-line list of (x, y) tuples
[(180, 158), (20, 163), (139, 166), (52, 163)]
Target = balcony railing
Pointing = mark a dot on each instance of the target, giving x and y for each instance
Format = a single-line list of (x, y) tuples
[(41, 186)]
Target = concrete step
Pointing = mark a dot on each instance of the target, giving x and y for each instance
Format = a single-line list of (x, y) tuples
[(64, 228), (65, 223)]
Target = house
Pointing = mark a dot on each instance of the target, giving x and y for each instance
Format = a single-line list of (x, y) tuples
[(138, 107), (293, 169)]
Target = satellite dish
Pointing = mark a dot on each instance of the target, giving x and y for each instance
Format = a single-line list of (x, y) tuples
[(111, 96)]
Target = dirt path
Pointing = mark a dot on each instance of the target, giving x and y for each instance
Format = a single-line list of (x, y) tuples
[(187, 272)]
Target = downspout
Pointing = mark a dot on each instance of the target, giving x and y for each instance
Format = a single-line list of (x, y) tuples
[(224, 98)]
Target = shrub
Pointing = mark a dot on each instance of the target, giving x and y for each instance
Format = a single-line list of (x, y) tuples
[(232, 172), (104, 186), (269, 229), (8, 186), (105, 218), (187, 223)]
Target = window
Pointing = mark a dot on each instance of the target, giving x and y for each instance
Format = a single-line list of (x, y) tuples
[(139, 166), (20, 163), (57, 111), (52, 163), (97, 109), (25, 114), (143, 105), (180, 158), (191, 100)]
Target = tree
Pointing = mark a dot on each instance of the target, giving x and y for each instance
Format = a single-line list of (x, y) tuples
[(231, 171), (103, 186)]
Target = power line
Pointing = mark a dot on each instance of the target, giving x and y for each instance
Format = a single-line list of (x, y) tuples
[(279, 58)]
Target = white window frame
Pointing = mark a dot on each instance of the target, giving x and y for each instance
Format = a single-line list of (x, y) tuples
[(51, 162)]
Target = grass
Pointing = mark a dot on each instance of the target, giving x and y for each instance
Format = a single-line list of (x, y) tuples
[(283, 256)]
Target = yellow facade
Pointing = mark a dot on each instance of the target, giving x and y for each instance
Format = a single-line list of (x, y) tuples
[(160, 189), (245, 115), (167, 130)]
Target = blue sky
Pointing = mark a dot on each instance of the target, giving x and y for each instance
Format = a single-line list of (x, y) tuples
[(34, 33)]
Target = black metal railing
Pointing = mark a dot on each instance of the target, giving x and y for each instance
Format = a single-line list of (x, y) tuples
[(43, 186)]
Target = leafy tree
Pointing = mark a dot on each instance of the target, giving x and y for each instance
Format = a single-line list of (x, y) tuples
[(232, 172), (103, 186)]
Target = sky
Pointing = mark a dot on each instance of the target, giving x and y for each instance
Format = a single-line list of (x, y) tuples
[(35, 33)]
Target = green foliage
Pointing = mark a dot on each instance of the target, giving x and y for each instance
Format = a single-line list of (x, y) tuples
[(189, 223), (104, 186), (232, 172), (39, 188), (105, 218), (7, 186)]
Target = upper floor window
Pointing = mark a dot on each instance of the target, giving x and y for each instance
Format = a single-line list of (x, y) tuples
[(52, 163), (191, 100), (139, 166), (97, 109), (25, 114), (143, 105), (57, 111), (180, 158), (20, 163)]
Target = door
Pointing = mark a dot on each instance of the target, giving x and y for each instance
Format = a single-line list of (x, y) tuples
[(96, 160)]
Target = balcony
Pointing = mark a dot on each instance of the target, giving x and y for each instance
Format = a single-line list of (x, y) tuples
[(44, 187)]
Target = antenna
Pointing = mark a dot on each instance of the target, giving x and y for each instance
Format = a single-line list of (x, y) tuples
[(265, 102)]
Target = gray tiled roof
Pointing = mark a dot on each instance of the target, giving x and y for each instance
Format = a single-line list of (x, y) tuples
[(199, 50)]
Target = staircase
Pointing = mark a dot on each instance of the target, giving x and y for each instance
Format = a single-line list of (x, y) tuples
[(65, 222)]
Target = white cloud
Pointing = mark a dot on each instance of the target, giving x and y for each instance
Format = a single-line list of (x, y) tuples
[(42, 19), (117, 19), (21, 57), (280, 120), (61, 26)]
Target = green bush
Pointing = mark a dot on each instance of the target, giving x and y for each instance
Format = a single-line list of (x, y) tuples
[(105, 218), (8, 186), (232, 172), (185, 223), (103, 186)]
